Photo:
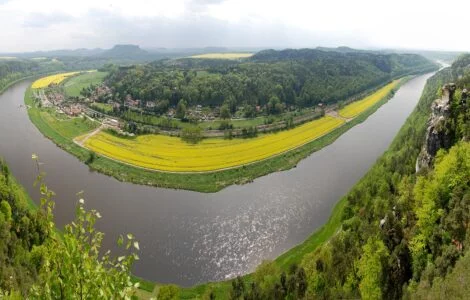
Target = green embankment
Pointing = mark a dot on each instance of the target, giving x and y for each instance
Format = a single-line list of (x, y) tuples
[(201, 182)]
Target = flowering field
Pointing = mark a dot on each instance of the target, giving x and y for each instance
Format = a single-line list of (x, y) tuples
[(164, 153), (354, 109), (52, 79)]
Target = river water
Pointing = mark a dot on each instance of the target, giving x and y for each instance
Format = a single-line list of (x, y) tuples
[(189, 237)]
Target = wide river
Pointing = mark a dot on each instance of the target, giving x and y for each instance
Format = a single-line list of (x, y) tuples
[(189, 237)]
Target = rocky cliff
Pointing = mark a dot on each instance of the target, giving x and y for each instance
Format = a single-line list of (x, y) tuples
[(438, 135)]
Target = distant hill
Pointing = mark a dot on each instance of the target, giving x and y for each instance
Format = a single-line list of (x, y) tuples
[(125, 51), (342, 49), (82, 52)]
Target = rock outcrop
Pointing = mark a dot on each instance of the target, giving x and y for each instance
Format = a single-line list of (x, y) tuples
[(437, 135)]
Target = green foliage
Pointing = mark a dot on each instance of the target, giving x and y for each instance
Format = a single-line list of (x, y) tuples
[(181, 109), (269, 283), (37, 263), (371, 269), (275, 79), (168, 292), (415, 225), (454, 285), (225, 112), (21, 232), (192, 134)]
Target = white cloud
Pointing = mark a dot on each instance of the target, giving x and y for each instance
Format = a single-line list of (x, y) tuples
[(51, 24)]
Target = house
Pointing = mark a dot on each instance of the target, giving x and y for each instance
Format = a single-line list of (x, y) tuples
[(72, 110), (150, 104)]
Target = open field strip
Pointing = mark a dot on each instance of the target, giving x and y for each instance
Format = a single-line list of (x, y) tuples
[(357, 107), (52, 79), (76, 84), (164, 153), (223, 55)]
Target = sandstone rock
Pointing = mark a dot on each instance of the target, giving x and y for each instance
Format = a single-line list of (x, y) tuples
[(437, 136)]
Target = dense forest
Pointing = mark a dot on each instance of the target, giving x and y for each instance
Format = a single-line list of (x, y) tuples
[(12, 70), (272, 79), (35, 63)]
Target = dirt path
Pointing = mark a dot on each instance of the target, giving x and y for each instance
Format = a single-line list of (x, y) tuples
[(335, 114), (82, 142)]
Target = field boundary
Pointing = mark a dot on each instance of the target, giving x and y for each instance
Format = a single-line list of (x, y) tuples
[(207, 182), (202, 172)]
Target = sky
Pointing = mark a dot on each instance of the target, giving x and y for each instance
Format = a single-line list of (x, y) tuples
[(31, 25)]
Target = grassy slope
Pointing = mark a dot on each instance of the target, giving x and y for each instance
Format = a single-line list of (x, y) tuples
[(74, 85), (202, 182), (60, 131)]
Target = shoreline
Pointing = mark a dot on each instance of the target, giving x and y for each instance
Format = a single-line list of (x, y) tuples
[(206, 181)]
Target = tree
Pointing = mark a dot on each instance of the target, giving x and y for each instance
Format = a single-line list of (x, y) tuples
[(249, 111), (275, 106), (168, 292), (371, 269), (192, 134), (225, 112), (73, 267), (5, 210), (181, 109)]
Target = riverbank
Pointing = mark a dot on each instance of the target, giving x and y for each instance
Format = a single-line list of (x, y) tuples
[(305, 196), (414, 126), (201, 182)]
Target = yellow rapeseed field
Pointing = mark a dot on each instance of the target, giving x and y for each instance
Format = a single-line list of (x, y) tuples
[(354, 109), (223, 55), (165, 153), (55, 79)]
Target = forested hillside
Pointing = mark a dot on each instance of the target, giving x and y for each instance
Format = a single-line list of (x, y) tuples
[(39, 262), (11, 70), (272, 79), (14, 69), (403, 231)]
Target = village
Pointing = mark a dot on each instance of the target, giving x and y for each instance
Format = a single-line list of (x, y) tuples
[(54, 97), (134, 116)]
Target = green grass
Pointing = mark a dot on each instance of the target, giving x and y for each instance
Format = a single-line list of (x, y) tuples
[(75, 84), (59, 131), (67, 127)]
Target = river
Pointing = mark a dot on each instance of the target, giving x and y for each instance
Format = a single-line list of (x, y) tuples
[(189, 237)]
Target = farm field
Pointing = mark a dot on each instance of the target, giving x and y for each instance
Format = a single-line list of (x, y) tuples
[(74, 85), (357, 107), (52, 79), (223, 55), (164, 153)]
